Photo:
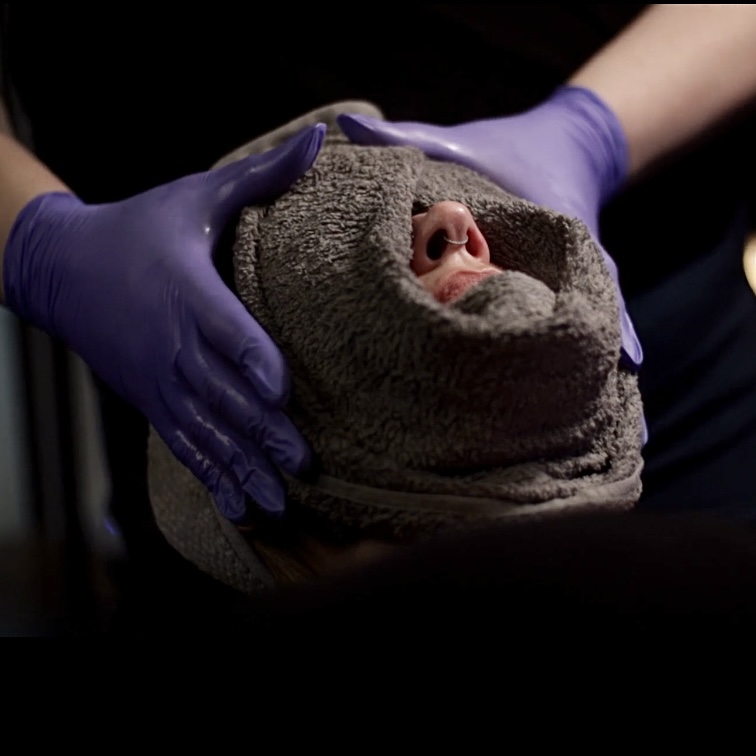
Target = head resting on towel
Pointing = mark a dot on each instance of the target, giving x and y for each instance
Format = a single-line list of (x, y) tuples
[(424, 413)]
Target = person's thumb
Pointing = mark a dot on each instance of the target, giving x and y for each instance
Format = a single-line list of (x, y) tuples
[(370, 131), (437, 142), (260, 178)]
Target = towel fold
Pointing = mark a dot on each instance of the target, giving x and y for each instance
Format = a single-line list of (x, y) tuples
[(509, 403)]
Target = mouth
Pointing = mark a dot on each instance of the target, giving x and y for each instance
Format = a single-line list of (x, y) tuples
[(458, 283)]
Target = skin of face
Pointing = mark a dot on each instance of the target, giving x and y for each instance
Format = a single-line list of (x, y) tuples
[(449, 252)]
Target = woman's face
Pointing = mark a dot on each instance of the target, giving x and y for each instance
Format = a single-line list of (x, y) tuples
[(450, 254)]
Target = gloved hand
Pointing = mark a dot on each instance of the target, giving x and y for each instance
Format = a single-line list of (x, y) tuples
[(132, 288), (568, 154)]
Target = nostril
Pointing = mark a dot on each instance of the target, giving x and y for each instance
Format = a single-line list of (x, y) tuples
[(436, 245)]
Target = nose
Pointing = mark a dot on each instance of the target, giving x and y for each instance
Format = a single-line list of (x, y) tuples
[(448, 228)]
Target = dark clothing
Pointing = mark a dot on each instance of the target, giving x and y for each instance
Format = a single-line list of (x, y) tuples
[(121, 99)]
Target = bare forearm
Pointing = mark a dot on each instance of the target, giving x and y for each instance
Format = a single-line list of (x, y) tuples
[(677, 71), (22, 178)]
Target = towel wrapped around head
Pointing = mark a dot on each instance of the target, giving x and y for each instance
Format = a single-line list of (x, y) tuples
[(508, 403)]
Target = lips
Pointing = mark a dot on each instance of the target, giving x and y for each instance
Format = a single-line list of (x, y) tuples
[(458, 283)]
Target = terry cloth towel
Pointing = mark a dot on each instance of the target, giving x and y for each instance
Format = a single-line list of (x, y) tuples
[(509, 403)]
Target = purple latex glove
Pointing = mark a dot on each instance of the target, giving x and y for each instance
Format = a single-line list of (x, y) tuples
[(568, 154), (131, 287)]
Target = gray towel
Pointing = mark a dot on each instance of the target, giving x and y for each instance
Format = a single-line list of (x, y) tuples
[(508, 404)]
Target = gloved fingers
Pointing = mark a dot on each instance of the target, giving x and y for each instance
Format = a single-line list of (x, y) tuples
[(644, 432), (632, 351), (228, 494), (219, 386), (263, 177), (233, 333), (434, 141), (221, 459)]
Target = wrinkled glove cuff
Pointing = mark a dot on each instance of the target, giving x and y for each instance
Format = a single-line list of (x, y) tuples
[(33, 258), (609, 149)]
